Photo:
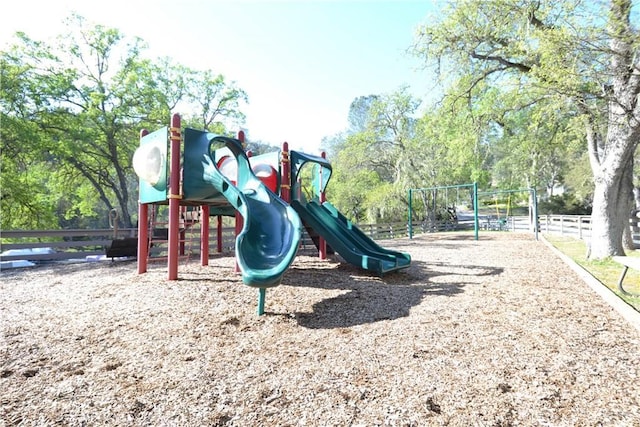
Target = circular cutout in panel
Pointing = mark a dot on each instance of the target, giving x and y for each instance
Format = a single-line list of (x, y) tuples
[(267, 174)]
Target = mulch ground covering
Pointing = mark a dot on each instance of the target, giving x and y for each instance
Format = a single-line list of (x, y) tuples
[(495, 332)]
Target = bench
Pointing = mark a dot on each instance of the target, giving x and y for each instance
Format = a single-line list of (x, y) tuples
[(627, 262), (127, 247)]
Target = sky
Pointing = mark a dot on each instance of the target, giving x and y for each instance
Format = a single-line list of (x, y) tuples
[(301, 62)]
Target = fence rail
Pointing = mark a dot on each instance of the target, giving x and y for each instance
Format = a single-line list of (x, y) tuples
[(578, 226), (571, 225), (64, 244), (80, 244)]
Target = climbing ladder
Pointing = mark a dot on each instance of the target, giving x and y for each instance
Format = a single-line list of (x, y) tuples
[(189, 235)]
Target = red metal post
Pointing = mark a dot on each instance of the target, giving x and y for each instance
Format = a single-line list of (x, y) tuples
[(143, 229), (174, 198), (285, 180), (204, 235), (322, 243)]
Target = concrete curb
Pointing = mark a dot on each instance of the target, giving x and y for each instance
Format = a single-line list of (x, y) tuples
[(625, 310)]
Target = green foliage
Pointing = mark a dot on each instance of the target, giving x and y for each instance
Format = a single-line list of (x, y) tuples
[(535, 69), (259, 147), (514, 65), (578, 179), (534, 145), (371, 165), (25, 204), (26, 199), (349, 192), (71, 113), (522, 79), (386, 204), (392, 151), (565, 204), (449, 149)]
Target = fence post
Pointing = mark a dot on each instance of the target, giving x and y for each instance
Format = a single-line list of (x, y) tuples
[(580, 227), (476, 220), (546, 223), (410, 225)]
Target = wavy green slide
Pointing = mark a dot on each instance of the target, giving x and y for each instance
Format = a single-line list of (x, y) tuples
[(271, 232)]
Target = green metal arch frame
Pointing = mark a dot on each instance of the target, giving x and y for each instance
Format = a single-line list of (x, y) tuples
[(474, 186), (534, 197)]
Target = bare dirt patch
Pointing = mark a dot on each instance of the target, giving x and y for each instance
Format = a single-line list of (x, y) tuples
[(494, 332)]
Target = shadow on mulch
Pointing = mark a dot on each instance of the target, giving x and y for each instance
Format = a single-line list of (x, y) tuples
[(372, 299)]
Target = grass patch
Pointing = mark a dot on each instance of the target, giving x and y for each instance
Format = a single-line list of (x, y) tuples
[(606, 271)]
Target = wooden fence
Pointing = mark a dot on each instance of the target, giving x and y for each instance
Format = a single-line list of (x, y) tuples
[(80, 244), (578, 226), (64, 244), (57, 245)]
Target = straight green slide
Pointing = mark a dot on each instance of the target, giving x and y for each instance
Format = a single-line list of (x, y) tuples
[(348, 240)]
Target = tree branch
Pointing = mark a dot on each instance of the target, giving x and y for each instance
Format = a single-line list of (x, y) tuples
[(509, 64)]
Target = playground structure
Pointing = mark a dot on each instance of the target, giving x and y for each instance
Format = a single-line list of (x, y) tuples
[(439, 210), (266, 194)]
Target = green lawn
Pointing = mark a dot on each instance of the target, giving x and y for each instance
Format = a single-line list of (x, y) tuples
[(607, 271)]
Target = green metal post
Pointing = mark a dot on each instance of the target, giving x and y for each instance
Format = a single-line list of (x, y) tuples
[(261, 297), (476, 222), (410, 222)]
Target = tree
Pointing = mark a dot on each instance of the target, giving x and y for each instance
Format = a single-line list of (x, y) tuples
[(451, 147), (87, 97), (390, 150), (359, 112), (570, 52), (24, 203), (535, 147), (376, 152)]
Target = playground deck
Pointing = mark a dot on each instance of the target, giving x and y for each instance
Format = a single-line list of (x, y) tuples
[(491, 332)]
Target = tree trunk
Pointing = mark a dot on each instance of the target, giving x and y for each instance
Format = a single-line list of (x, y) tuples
[(612, 163), (627, 236), (612, 200), (627, 239), (606, 232)]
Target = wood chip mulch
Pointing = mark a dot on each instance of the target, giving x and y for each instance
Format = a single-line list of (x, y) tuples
[(495, 332)]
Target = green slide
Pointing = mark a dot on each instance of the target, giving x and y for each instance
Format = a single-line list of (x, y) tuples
[(348, 240), (341, 234), (271, 231)]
